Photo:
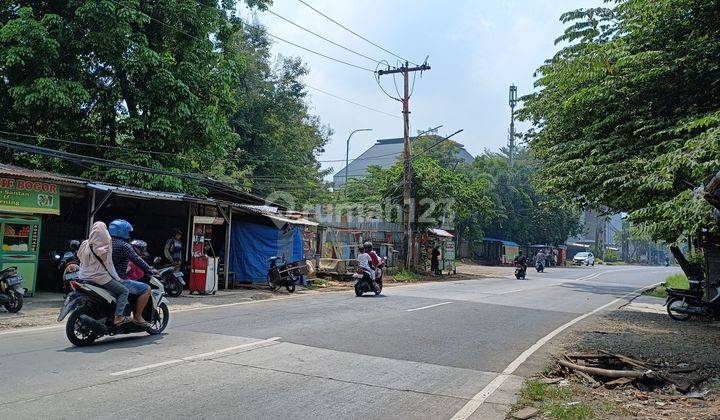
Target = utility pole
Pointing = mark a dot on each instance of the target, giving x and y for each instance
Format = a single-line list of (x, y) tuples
[(347, 154), (407, 200), (511, 145)]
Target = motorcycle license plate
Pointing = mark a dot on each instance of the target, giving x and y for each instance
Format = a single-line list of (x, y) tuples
[(13, 280)]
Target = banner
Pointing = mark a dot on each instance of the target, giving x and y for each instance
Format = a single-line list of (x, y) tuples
[(23, 196)]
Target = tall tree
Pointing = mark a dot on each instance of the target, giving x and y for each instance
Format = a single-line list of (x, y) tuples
[(628, 113)]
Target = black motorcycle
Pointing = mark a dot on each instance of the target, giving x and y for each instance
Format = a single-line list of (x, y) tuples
[(520, 271), (171, 277), (68, 265), (364, 284), (11, 290), (282, 274), (540, 267)]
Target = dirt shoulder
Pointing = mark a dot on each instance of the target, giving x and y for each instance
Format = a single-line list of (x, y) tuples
[(681, 361)]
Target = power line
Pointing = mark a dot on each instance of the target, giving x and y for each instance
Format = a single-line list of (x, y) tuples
[(352, 102), (354, 33), (322, 37), (104, 146), (252, 26)]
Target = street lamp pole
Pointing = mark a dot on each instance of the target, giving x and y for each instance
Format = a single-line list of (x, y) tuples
[(347, 152)]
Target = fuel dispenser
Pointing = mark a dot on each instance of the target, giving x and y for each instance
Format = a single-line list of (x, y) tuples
[(203, 260)]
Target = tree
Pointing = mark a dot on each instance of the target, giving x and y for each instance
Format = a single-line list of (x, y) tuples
[(627, 115)]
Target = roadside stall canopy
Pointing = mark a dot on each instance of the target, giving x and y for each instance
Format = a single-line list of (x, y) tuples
[(441, 233), (257, 235)]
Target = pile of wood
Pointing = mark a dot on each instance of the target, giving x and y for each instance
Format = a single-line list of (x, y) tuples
[(613, 370)]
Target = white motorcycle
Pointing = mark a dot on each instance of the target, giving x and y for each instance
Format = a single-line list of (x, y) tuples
[(92, 312)]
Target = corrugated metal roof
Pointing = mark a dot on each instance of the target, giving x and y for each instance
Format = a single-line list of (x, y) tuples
[(35, 174), (503, 241), (136, 192), (276, 216)]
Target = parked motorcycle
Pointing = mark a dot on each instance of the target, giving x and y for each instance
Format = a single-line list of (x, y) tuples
[(684, 304), (283, 274), (68, 265), (171, 277), (540, 267), (11, 290), (363, 284), (520, 272), (92, 312)]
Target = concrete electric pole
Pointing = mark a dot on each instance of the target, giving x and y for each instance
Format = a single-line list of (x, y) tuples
[(511, 145), (407, 200)]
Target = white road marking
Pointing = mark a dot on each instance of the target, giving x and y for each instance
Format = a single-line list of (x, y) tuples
[(509, 291), (196, 356), (427, 307), (479, 398)]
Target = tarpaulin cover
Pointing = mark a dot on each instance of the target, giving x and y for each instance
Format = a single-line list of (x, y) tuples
[(251, 245)]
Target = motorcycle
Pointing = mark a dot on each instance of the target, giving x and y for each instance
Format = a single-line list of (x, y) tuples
[(540, 267), (363, 283), (68, 267), (282, 274), (520, 272), (11, 290), (684, 304), (91, 311), (171, 277)]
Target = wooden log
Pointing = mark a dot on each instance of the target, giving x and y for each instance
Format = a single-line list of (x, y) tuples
[(608, 373), (629, 360)]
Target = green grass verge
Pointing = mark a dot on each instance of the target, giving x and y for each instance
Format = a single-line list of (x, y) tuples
[(676, 281), (405, 276), (552, 401)]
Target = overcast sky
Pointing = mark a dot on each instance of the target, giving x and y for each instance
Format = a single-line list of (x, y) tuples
[(476, 49)]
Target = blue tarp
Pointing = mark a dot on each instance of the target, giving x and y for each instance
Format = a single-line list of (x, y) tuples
[(504, 242), (251, 245)]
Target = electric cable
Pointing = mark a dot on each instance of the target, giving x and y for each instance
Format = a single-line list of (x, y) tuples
[(353, 32)]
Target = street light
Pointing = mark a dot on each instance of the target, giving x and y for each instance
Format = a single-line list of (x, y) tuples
[(347, 152)]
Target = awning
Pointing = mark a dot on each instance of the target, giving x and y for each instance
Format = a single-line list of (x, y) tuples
[(440, 232), (276, 217), (148, 194), (502, 241)]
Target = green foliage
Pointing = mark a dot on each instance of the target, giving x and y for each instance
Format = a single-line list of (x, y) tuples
[(183, 79), (405, 276), (627, 115), (676, 281), (611, 256)]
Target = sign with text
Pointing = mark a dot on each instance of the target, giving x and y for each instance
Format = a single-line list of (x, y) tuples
[(24, 196)]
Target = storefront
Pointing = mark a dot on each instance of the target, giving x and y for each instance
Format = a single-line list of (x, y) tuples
[(23, 202), (444, 241)]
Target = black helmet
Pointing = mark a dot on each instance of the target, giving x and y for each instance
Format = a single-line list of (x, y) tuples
[(140, 245), (74, 244), (367, 246)]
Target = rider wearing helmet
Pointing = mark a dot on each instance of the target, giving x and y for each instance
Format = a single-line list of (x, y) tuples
[(74, 245), (133, 271), (122, 254), (365, 263)]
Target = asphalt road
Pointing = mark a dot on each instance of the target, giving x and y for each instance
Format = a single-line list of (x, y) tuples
[(418, 351)]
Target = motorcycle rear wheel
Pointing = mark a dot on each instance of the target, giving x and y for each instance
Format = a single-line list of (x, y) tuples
[(358, 291), (75, 332), (174, 289), (290, 288), (16, 302), (677, 316)]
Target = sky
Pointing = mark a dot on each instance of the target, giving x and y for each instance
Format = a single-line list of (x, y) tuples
[(476, 49)]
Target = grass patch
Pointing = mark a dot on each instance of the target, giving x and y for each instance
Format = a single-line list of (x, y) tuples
[(562, 411), (676, 281), (405, 276), (552, 401)]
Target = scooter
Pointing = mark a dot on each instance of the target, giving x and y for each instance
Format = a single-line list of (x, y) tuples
[(540, 267), (684, 304), (171, 277), (91, 311), (363, 284), (520, 272), (283, 274), (68, 266), (11, 290)]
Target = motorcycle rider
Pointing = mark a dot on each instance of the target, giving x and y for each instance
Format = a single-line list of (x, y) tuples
[(521, 261), (540, 258), (133, 271), (365, 263), (95, 255), (375, 259), (122, 254)]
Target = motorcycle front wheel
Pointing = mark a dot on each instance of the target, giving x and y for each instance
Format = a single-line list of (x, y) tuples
[(358, 290), (672, 306), (160, 320), (290, 288), (77, 334), (174, 288), (15, 303)]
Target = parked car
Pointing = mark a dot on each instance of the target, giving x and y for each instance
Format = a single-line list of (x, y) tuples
[(584, 258)]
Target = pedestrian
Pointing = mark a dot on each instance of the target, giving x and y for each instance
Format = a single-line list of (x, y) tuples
[(173, 248), (435, 260)]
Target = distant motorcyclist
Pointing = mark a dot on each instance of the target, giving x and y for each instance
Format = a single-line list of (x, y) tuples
[(364, 260), (122, 254), (541, 258), (521, 260)]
